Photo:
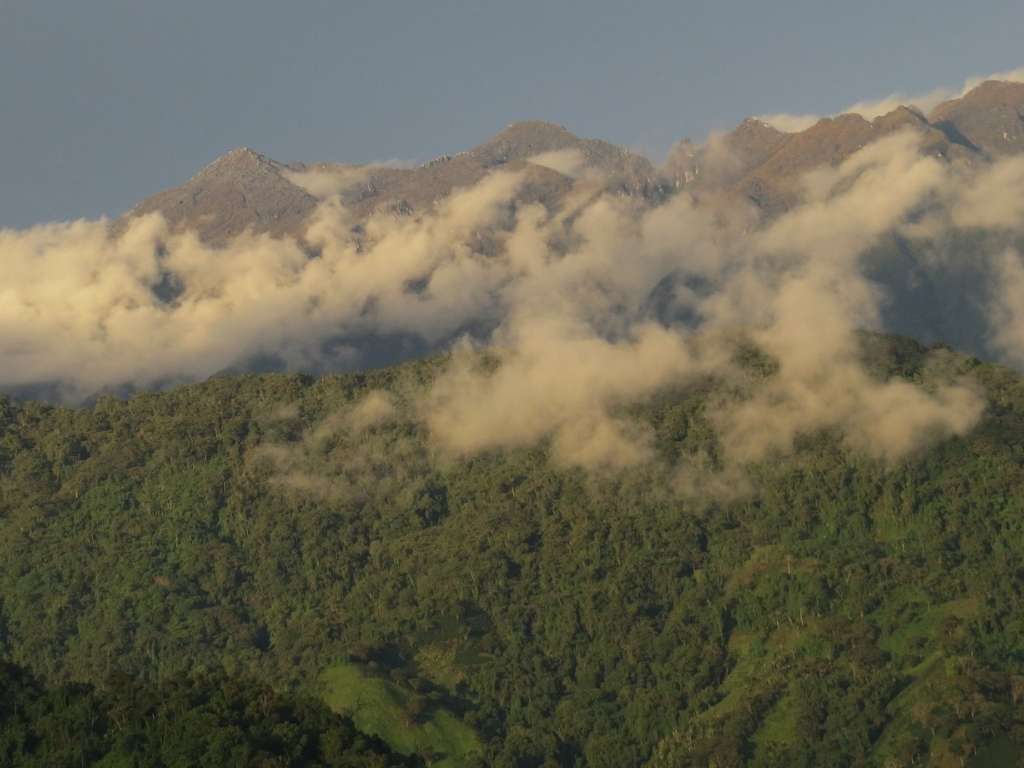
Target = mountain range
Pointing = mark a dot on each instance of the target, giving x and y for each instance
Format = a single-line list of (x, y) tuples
[(755, 161)]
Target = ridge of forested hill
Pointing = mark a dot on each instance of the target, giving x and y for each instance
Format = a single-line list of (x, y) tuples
[(201, 721), (304, 533)]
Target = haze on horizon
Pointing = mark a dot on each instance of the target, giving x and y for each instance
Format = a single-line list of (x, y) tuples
[(108, 102)]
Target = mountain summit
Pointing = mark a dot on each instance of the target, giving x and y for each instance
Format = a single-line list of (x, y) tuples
[(990, 117), (240, 190)]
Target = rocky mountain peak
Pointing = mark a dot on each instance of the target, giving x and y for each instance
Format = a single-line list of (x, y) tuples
[(523, 140), (989, 118), (241, 160), (240, 190)]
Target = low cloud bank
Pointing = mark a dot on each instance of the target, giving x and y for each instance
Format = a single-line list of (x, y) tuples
[(583, 311)]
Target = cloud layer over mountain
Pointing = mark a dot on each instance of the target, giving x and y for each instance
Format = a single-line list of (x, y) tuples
[(563, 311)]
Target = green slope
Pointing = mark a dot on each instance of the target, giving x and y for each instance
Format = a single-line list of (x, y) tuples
[(841, 613), (406, 720)]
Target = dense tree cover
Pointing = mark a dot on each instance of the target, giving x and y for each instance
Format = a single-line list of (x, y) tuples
[(206, 721), (840, 612)]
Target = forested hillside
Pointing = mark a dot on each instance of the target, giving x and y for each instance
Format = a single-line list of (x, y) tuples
[(202, 721), (820, 609)]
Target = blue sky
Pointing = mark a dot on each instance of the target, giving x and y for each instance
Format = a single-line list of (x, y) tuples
[(107, 101)]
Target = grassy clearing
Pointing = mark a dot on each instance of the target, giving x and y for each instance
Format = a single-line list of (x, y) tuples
[(384, 709)]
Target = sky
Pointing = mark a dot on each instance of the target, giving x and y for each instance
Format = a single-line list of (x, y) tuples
[(108, 101)]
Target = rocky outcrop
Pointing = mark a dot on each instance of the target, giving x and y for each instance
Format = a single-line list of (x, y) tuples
[(990, 118)]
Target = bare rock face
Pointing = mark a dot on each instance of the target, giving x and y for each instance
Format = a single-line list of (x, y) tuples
[(242, 190), (990, 118)]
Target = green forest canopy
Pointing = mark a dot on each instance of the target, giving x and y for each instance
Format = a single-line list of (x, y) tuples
[(841, 612)]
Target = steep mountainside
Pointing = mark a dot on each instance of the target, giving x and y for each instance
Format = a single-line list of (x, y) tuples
[(990, 117), (842, 612)]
